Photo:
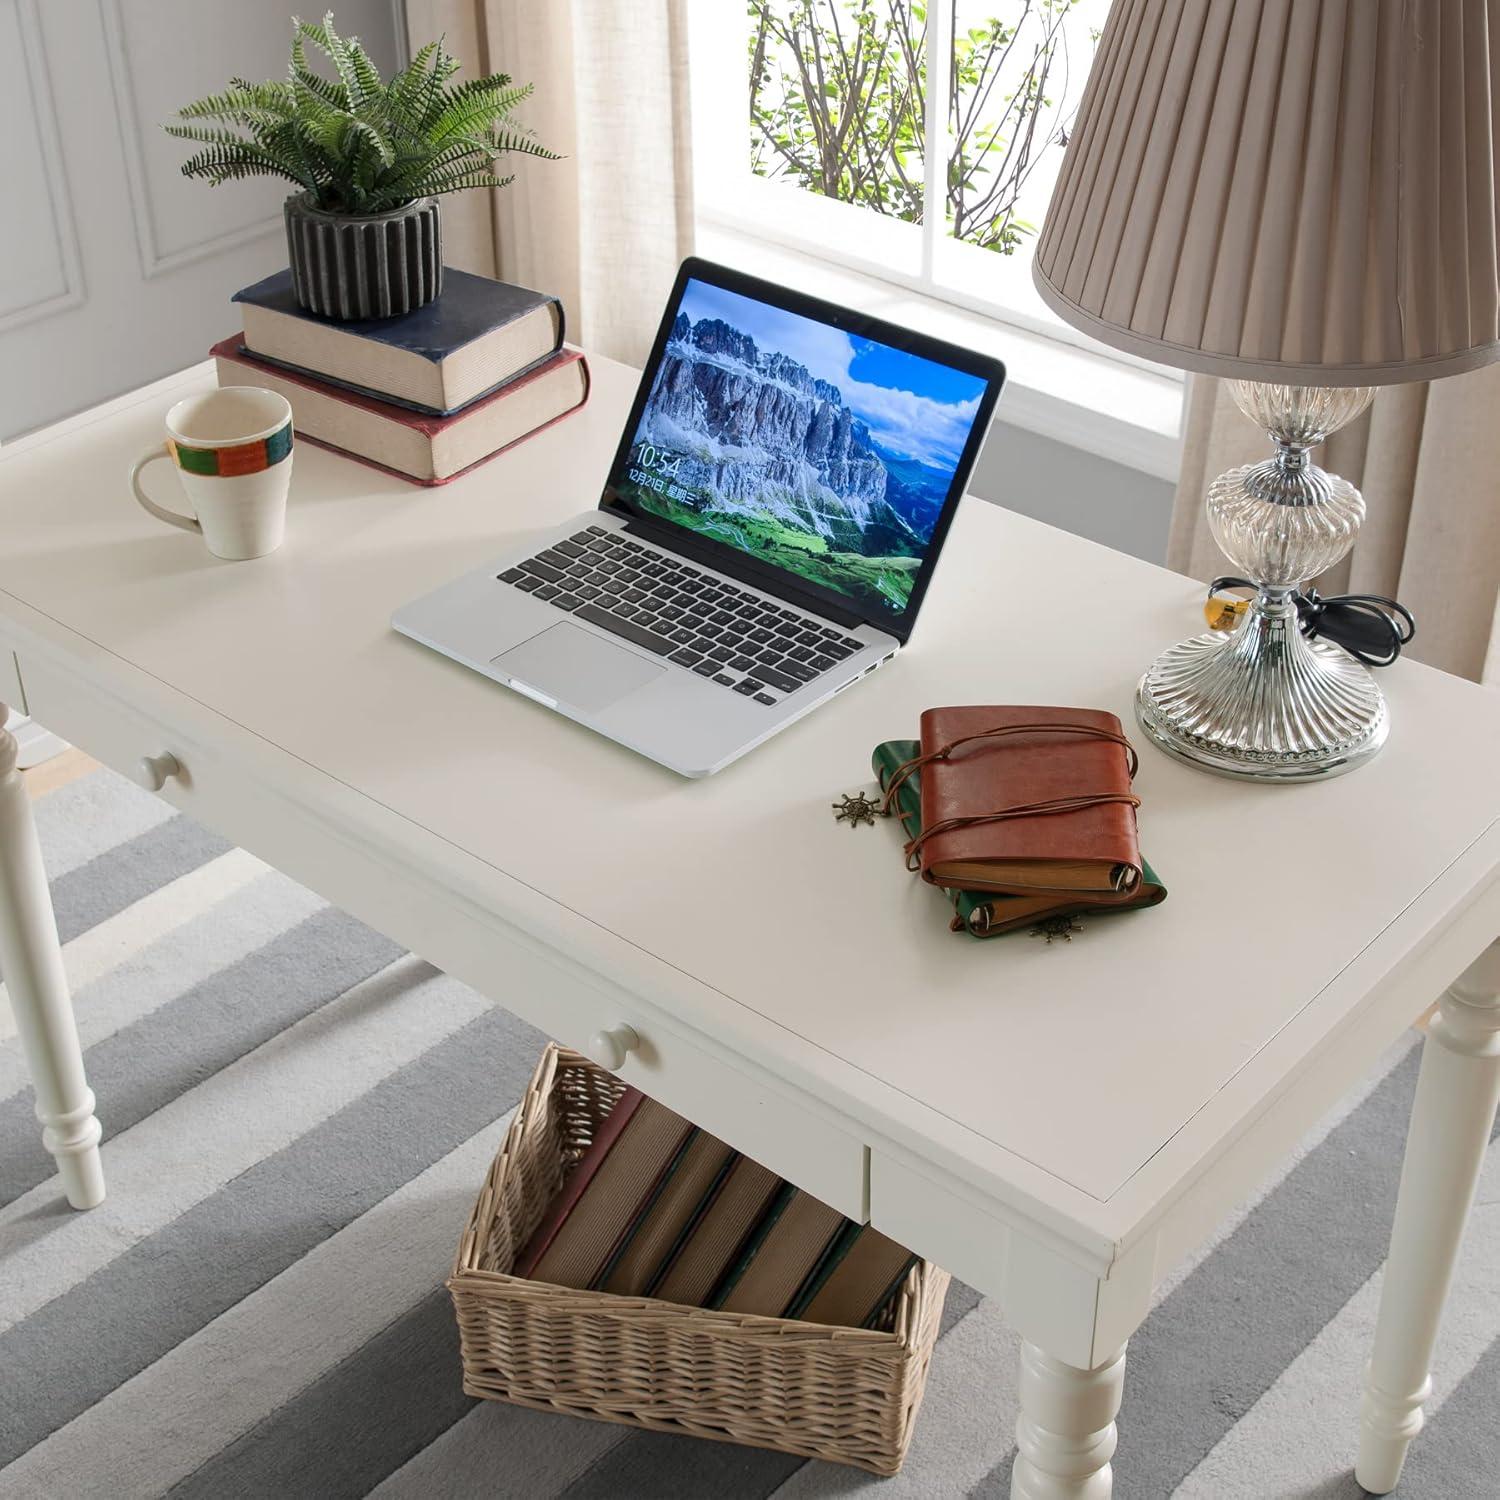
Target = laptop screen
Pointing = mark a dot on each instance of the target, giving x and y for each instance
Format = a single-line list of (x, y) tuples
[(812, 449)]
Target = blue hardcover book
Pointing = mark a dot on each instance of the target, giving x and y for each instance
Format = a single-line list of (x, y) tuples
[(473, 339)]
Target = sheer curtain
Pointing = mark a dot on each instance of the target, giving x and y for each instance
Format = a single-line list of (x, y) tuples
[(606, 227), (1427, 458)]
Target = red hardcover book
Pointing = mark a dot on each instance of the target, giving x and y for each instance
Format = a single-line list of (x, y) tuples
[(413, 445), (578, 1180), (606, 1193)]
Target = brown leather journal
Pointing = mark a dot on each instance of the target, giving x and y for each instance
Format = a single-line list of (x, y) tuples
[(1026, 800)]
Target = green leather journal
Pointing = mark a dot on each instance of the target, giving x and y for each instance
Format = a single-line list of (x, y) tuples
[(984, 914)]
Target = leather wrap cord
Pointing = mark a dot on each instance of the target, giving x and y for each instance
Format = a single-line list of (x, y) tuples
[(1048, 807)]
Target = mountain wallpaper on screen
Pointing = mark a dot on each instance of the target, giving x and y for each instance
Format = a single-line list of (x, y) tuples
[(743, 443)]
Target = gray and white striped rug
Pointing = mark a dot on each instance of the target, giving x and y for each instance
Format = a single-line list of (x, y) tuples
[(297, 1116)]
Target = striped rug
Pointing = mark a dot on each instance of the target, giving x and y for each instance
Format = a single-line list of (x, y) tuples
[(297, 1115)]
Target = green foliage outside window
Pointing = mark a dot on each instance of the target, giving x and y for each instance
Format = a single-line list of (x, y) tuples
[(838, 101)]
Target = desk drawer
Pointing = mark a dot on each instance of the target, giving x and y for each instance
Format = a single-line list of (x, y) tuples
[(771, 1125), (793, 1140), (123, 738)]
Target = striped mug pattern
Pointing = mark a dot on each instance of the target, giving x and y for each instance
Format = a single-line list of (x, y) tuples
[(232, 449)]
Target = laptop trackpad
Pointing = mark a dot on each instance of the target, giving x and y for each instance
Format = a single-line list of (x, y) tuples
[(577, 668)]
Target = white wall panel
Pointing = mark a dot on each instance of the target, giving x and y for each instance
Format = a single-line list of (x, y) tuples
[(164, 54), (114, 268), (39, 270)]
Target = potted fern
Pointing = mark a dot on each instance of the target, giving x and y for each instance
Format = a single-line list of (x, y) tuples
[(369, 157)]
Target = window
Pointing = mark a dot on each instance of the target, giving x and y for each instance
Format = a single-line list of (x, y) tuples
[(849, 101)]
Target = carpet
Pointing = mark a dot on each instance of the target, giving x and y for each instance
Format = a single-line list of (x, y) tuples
[(297, 1115)]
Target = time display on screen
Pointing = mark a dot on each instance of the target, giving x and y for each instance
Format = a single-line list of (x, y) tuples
[(656, 470), (649, 456)]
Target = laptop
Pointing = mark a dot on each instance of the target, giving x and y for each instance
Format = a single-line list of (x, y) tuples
[(766, 535)]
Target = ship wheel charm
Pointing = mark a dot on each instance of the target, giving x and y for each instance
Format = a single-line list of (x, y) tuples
[(856, 809), (1053, 928)]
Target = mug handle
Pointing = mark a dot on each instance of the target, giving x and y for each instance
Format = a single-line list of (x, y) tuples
[(171, 517)]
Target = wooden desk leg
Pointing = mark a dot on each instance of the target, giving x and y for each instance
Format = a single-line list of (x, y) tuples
[(32, 961), (1454, 1111), (1066, 1431)]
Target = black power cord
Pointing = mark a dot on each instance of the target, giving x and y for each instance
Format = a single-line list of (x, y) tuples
[(1370, 627)]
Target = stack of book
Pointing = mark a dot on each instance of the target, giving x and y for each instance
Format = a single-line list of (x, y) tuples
[(426, 395), (657, 1207), (962, 791)]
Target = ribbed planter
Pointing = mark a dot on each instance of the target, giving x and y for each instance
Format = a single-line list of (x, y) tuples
[(364, 266)]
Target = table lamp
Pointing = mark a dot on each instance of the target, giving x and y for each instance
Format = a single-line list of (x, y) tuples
[(1298, 195)]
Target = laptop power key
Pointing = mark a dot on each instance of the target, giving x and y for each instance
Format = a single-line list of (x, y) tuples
[(624, 629)]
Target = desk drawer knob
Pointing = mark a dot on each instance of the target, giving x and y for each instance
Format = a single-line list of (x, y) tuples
[(609, 1047), (154, 771)]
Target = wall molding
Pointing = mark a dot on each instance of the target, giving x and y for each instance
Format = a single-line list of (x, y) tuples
[(59, 199), (154, 260), (403, 39)]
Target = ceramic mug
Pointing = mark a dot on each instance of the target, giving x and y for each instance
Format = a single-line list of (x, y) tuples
[(233, 451)]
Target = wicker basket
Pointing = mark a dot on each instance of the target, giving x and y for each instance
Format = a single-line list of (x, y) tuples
[(845, 1394)]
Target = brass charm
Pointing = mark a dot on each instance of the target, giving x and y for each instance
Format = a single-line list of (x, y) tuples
[(1056, 927), (1223, 611), (856, 809)]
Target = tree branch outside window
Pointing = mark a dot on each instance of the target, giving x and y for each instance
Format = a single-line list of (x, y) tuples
[(838, 104)]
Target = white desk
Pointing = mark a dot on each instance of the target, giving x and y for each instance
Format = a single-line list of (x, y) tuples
[(1056, 1124)]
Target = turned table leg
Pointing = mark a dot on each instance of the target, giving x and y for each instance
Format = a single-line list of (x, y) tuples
[(1457, 1092), (1066, 1431), (32, 961)]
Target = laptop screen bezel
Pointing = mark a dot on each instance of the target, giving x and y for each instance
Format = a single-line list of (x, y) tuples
[(741, 565)]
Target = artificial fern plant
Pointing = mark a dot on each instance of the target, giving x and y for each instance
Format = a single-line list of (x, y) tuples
[(357, 144)]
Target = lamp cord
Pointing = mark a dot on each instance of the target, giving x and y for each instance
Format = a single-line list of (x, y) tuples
[(1370, 627)]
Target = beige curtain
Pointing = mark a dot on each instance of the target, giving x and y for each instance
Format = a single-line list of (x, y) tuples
[(606, 227), (1427, 458)]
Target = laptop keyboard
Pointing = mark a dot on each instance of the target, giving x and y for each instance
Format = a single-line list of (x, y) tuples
[(701, 621)]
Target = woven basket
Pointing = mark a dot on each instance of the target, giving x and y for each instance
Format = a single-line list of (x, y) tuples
[(849, 1395)]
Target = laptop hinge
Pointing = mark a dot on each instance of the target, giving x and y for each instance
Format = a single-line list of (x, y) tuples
[(770, 579)]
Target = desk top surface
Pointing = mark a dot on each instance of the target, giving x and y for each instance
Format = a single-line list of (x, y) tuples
[(1081, 1059)]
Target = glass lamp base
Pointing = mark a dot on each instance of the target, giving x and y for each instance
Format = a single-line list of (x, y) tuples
[(1263, 703)]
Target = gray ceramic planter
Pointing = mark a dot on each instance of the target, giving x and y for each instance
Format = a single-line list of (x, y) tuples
[(364, 266)]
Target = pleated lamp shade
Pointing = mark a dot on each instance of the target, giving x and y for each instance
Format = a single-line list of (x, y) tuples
[(1296, 191)]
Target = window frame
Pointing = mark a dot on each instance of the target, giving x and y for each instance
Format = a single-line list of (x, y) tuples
[(921, 258)]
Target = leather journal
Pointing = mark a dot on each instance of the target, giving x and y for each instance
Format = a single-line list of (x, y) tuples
[(1023, 800), (998, 850)]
